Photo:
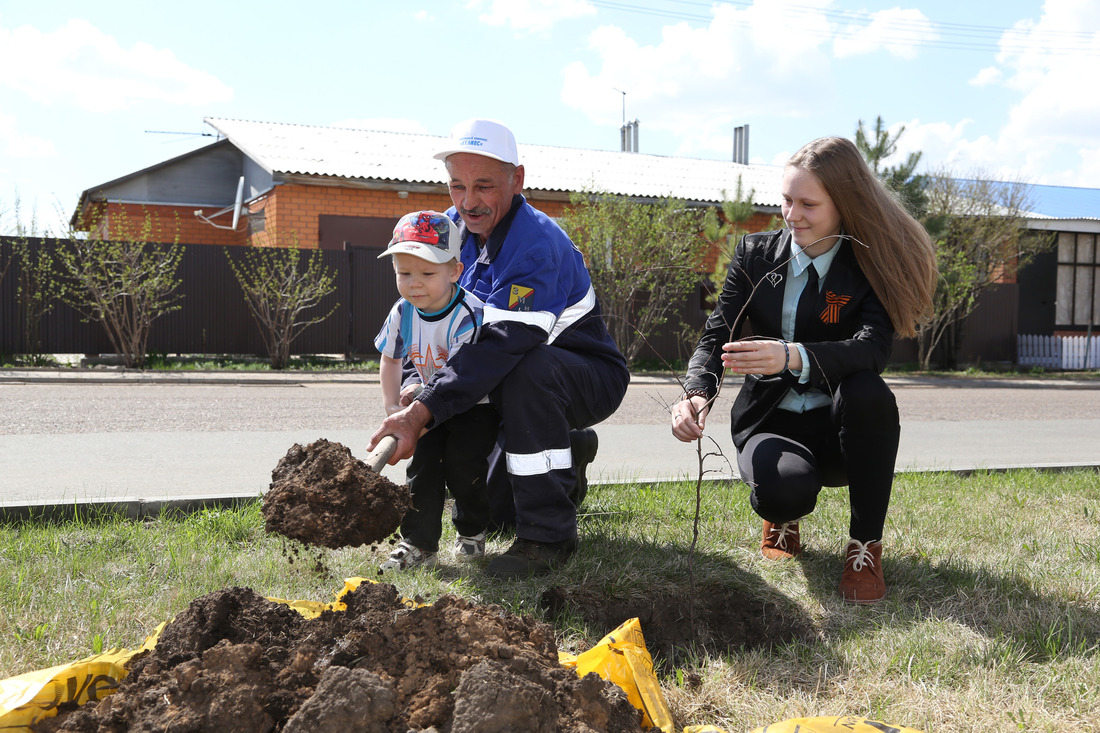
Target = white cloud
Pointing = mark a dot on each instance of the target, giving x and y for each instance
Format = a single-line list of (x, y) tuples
[(696, 79), (18, 145), (1049, 134), (531, 16), (1087, 174), (897, 31), (986, 77), (383, 124), (80, 64), (1052, 125)]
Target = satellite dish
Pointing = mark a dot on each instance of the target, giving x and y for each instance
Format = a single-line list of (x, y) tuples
[(238, 203)]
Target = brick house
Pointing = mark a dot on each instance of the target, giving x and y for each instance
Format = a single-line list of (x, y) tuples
[(343, 189), (337, 188)]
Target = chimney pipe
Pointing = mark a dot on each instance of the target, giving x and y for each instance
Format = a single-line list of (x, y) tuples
[(628, 137), (741, 144)]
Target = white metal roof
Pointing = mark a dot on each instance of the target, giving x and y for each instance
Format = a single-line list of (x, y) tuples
[(393, 156)]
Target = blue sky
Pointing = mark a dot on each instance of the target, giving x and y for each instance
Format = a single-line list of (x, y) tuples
[(1002, 89)]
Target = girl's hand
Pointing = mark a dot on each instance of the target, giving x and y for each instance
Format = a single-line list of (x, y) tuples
[(689, 417), (763, 356)]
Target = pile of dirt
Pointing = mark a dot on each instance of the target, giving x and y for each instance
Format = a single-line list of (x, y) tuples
[(322, 495), (236, 661)]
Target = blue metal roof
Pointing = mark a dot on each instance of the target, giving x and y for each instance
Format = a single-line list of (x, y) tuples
[(1066, 202)]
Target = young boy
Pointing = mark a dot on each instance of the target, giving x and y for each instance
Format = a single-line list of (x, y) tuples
[(429, 324)]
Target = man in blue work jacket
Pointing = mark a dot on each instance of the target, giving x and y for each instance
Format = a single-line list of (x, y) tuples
[(545, 358)]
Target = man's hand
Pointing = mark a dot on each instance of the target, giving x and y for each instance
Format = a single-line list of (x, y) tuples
[(407, 426)]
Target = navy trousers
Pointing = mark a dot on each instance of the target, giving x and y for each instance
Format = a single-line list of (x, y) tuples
[(453, 455), (853, 443), (550, 392)]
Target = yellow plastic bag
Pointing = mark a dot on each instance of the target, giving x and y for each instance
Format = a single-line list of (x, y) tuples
[(842, 724), (621, 657), (31, 697)]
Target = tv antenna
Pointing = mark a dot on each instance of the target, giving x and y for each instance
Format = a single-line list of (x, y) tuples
[(170, 132)]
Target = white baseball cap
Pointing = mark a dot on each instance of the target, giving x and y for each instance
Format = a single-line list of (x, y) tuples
[(428, 235), (482, 137)]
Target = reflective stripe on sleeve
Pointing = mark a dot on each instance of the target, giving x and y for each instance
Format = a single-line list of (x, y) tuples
[(534, 464), (574, 313), (539, 319)]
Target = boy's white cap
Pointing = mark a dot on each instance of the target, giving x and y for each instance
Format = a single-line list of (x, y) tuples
[(428, 235), (482, 137)]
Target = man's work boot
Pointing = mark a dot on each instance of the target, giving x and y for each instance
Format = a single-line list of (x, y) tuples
[(583, 445), (527, 557)]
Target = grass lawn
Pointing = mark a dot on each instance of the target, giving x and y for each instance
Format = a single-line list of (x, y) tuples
[(991, 622)]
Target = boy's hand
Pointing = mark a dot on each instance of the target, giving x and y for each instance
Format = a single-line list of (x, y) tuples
[(407, 426), (409, 393)]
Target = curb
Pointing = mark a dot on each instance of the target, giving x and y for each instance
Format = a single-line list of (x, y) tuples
[(144, 509)]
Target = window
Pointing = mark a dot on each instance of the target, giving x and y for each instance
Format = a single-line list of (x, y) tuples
[(1078, 299)]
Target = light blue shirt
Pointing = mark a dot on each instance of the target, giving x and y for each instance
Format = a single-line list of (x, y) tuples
[(797, 278)]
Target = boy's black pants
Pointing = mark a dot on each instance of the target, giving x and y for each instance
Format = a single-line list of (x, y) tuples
[(453, 455)]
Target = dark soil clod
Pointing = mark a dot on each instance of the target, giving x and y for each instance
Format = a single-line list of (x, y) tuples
[(322, 495)]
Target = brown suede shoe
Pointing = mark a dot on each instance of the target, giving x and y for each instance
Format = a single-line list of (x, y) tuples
[(780, 541), (862, 581)]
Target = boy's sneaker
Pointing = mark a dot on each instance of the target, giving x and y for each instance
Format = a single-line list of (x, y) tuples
[(470, 548), (406, 556)]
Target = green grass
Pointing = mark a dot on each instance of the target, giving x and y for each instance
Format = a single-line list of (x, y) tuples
[(305, 363), (992, 620)]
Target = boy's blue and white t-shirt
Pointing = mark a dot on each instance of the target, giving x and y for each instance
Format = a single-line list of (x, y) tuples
[(428, 340)]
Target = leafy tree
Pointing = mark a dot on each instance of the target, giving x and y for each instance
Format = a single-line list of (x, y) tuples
[(982, 238), (5, 262), (19, 230), (121, 278), (281, 283), (38, 287), (642, 258), (902, 179), (977, 226), (725, 229)]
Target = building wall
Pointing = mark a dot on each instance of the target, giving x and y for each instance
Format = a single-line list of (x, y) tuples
[(758, 222), (123, 221), (295, 209)]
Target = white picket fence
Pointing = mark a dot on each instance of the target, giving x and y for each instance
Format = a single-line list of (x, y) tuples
[(1059, 352)]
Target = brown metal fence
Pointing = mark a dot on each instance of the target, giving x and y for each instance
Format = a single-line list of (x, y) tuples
[(214, 319)]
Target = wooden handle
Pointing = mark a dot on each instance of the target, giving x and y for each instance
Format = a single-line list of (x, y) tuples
[(380, 456)]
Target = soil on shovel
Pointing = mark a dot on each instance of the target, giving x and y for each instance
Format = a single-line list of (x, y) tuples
[(322, 495), (236, 661)]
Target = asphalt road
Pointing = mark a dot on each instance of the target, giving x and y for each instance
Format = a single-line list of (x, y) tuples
[(98, 437), (36, 408)]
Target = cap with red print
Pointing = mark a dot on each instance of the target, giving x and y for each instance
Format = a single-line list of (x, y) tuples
[(429, 235)]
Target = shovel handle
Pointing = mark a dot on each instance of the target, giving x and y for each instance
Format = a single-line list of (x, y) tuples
[(381, 453)]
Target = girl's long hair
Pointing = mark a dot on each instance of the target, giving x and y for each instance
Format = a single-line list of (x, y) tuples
[(892, 248)]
